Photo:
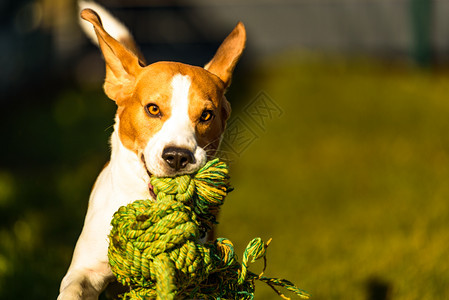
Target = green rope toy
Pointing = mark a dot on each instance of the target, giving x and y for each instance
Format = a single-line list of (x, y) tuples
[(155, 247)]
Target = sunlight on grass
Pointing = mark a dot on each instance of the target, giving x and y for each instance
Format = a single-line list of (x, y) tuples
[(350, 182)]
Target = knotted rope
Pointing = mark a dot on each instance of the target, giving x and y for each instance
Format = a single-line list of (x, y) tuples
[(155, 246)]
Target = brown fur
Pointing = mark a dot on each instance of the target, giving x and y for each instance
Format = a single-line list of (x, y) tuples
[(133, 87)]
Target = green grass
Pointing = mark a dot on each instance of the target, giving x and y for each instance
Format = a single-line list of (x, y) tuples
[(351, 181)]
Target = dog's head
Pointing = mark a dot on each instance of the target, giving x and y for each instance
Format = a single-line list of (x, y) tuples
[(172, 115)]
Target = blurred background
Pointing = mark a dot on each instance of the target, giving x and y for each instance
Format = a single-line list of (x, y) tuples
[(338, 144)]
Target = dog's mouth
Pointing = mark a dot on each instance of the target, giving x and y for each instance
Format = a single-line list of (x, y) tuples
[(150, 186), (152, 194)]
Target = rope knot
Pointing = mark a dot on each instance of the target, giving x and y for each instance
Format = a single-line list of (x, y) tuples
[(155, 246), (180, 188)]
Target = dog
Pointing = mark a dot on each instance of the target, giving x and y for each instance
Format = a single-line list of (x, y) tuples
[(170, 119)]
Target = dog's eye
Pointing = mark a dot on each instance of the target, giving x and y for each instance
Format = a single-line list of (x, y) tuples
[(207, 115), (153, 110)]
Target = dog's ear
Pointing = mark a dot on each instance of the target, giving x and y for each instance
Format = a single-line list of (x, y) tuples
[(228, 54), (122, 65)]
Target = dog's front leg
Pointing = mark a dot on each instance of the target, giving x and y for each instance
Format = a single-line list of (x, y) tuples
[(83, 284), (89, 273)]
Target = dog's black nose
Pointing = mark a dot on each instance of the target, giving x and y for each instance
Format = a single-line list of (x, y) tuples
[(177, 158)]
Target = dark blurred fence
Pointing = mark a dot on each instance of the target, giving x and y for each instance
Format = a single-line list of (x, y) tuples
[(41, 41)]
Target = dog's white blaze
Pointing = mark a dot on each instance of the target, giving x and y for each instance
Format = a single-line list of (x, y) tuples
[(180, 95), (177, 131), (179, 122)]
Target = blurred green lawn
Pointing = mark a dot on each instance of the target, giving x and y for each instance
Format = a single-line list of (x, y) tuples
[(350, 180)]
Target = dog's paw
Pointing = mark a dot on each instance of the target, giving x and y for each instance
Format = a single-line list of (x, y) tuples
[(77, 286), (78, 292), (71, 293)]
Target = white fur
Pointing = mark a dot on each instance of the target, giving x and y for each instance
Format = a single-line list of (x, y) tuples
[(124, 180), (113, 26), (177, 131)]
